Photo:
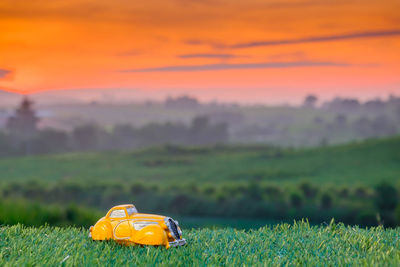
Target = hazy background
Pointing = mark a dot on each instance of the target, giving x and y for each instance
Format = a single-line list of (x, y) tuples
[(216, 112), (207, 163)]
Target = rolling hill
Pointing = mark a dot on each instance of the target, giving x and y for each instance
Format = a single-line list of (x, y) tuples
[(365, 162)]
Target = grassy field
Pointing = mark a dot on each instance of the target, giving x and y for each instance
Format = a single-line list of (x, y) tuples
[(359, 163), (281, 245)]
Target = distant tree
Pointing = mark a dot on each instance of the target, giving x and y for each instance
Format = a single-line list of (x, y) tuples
[(6, 148), (363, 127), (342, 105), (386, 202), (50, 141), (203, 133), (219, 133), (182, 102), (151, 134), (254, 191), (273, 191), (192, 188), (310, 101), (137, 189), (199, 130), (209, 190), (397, 113), (385, 197), (200, 123), (296, 200), (397, 214), (87, 137), (367, 218), (375, 105), (125, 137), (24, 122), (361, 192), (344, 192), (309, 190), (22, 126), (326, 201), (341, 120), (383, 126)]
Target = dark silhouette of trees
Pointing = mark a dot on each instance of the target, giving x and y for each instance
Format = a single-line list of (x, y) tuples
[(343, 105), (341, 120), (182, 102), (385, 197), (310, 101), (203, 133), (50, 141), (309, 190), (326, 201), (22, 126), (386, 202), (296, 200), (89, 137), (24, 122)]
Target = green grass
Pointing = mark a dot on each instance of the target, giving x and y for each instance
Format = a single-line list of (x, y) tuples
[(359, 163), (282, 245)]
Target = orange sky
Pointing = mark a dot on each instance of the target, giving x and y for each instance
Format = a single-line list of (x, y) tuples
[(235, 50)]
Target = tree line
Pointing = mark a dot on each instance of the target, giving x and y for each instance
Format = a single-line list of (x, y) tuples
[(91, 137), (357, 205)]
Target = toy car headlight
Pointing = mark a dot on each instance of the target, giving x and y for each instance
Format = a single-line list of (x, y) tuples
[(140, 225)]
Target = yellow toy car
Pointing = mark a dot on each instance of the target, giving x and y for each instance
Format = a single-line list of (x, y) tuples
[(126, 226)]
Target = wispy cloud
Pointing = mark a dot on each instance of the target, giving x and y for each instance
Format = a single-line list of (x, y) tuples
[(218, 56), (265, 65), (297, 55), (318, 39), (4, 72), (204, 42)]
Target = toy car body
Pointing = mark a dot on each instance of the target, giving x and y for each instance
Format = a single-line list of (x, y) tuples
[(125, 225)]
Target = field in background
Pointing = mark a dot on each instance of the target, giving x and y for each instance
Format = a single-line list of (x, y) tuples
[(365, 163), (238, 186), (332, 245)]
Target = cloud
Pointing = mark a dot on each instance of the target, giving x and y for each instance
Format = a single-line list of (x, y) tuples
[(219, 56), (3, 73), (265, 65), (204, 42), (297, 55), (319, 39)]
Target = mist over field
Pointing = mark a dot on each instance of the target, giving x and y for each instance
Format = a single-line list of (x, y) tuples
[(130, 124)]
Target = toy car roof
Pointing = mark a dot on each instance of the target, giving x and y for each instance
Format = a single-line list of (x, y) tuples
[(123, 206)]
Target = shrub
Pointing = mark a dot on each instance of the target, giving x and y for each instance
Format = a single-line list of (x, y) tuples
[(137, 189), (397, 214), (209, 190), (361, 192), (296, 200), (367, 218), (385, 197), (343, 192), (309, 190), (326, 201)]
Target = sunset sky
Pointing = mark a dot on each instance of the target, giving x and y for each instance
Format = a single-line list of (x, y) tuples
[(229, 50)]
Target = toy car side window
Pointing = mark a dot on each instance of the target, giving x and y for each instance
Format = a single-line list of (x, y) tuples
[(131, 210), (118, 214)]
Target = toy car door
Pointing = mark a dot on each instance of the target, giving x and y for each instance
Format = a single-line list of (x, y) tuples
[(121, 226)]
